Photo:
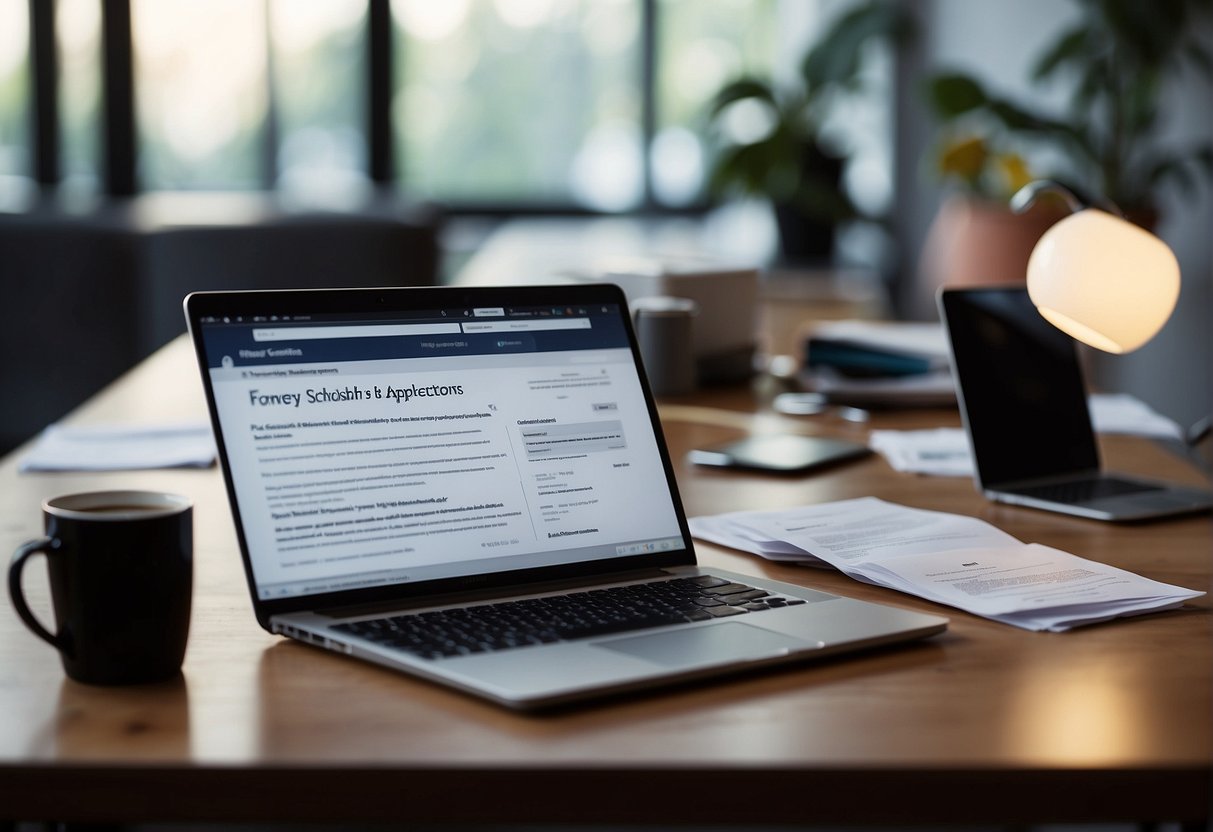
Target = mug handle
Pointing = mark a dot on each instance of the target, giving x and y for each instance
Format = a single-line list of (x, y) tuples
[(44, 545)]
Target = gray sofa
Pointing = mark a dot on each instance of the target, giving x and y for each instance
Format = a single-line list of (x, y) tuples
[(86, 296)]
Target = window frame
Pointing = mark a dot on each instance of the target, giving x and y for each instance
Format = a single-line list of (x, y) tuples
[(120, 141)]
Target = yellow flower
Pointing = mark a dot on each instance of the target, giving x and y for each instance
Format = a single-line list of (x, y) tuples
[(964, 157), (1014, 170)]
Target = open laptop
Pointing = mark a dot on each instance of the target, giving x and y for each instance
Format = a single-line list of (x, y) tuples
[(470, 485), (1024, 405)]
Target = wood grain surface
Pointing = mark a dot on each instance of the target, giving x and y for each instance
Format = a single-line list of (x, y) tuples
[(983, 723)]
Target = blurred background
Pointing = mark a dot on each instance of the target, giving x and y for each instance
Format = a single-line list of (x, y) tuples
[(153, 147)]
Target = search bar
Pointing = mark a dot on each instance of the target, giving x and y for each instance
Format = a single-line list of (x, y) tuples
[(312, 333), (523, 326)]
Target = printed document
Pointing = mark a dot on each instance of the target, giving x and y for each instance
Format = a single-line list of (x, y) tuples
[(947, 558)]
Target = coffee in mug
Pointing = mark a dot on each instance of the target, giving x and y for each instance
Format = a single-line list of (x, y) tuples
[(121, 579)]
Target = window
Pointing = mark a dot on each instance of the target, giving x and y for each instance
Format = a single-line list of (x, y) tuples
[(533, 101), (78, 35), (583, 105), (201, 93), (318, 68), (15, 167), (477, 121), (701, 46)]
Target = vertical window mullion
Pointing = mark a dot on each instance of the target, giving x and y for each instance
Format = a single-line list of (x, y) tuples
[(379, 92), (270, 131), (44, 87), (648, 80), (118, 93)]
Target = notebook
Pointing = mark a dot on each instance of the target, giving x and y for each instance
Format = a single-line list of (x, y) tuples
[(1024, 406), (471, 486)]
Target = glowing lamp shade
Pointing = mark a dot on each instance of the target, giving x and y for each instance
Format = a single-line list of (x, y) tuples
[(1103, 280)]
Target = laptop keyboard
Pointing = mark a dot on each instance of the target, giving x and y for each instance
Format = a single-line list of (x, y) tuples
[(476, 629), (1081, 491)]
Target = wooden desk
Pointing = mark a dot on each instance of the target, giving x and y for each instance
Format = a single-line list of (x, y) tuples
[(985, 723)]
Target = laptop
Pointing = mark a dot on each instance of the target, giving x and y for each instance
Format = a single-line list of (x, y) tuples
[(1024, 405), (470, 485)]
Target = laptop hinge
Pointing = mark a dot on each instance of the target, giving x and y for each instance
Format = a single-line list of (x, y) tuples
[(1050, 479), (469, 596)]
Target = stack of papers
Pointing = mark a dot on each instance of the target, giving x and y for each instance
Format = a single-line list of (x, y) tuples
[(941, 452), (121, 447), (1122, 413), (959, 561)]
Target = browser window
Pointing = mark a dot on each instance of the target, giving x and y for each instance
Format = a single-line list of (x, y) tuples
[(372, 452)]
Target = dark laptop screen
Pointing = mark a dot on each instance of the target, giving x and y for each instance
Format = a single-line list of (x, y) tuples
[(369, 450), (1020, 385)]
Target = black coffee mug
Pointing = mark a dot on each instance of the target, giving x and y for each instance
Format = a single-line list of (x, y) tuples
[(121, 580)]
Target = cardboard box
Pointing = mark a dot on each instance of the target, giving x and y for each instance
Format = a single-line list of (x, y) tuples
[(727, 296)]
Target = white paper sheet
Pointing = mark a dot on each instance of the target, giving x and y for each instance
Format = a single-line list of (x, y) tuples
[(1018, 579), (121, 447), (947, 558), (945, 452), (942, 452), (1122, 413), (868, 529)]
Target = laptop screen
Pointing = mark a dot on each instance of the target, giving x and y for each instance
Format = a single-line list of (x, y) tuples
[(372, 449), (1020, 385)]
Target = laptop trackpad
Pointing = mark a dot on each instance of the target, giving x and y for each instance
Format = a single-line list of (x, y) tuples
[(724, 642)]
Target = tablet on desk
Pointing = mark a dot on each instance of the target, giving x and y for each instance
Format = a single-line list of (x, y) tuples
[(780, 453)]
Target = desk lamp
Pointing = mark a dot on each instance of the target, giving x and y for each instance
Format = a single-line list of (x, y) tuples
[(1098, 277), (1101, 279)]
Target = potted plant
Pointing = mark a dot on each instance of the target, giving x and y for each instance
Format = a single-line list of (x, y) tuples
[(1117, 57), (975, 238), (1104, 143), (788, 164)]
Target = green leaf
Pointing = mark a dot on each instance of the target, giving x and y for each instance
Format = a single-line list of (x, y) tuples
[(955, 94), (1175, 169), (1145, 34), (764, 168), (1141, 33), (1020, 120), (1092, 84), (1073, 47), (1017, 118), (740, 90), (1140, 102), (837, 56), (1182, 168)]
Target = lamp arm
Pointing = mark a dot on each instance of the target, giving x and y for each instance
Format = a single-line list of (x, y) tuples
[(1026, 196)]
